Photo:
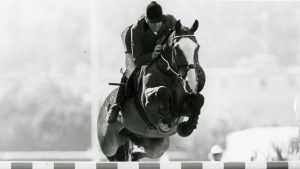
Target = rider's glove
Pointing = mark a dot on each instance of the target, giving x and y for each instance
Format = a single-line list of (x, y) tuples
[(157, 51)]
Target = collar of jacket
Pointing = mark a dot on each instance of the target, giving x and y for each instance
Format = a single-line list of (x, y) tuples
[(146, 27)]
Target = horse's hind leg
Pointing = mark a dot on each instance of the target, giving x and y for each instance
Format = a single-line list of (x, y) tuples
[(109, 134), (111, 140)]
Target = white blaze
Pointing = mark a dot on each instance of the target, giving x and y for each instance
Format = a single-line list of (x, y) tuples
[(188, 47)]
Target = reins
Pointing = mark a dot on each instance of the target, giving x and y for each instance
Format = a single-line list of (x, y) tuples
[(189, 66), (169, 68)]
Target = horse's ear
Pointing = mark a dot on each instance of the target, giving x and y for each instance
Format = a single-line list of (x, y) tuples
[(195, 26), (177, 26)]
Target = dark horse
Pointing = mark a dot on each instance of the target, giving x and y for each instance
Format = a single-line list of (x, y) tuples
[(168, 91)]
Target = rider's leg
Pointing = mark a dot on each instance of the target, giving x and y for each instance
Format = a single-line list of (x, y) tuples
[(130, 65), (116, 107), (114, 111), (126, 39)]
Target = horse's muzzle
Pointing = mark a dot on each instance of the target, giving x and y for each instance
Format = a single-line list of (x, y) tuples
[(187, 88)]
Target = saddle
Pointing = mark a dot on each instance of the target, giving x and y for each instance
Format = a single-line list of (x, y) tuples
[(134, 82)]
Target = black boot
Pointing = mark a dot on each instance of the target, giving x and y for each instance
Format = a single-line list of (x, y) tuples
[(116, 108)]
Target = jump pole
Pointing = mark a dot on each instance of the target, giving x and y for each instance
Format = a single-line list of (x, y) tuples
[(149, 165)]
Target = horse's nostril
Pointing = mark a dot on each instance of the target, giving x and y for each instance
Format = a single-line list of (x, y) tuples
[(187, 88)]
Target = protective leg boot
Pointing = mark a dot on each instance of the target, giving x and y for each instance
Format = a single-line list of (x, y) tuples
[(116, 108)]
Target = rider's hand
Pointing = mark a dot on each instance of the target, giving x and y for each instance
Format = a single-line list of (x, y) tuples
[(157, 51)]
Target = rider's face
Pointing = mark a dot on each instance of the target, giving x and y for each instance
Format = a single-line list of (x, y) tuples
[(155, 26)]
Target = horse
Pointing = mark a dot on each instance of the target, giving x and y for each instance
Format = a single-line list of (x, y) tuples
[(165, 91)]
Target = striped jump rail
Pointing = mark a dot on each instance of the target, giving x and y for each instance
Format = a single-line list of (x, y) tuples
[(150, 165)]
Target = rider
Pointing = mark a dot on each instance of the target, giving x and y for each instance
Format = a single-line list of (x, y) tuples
[(141, 46)]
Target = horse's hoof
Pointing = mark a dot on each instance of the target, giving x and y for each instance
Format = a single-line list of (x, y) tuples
[(184, 129)]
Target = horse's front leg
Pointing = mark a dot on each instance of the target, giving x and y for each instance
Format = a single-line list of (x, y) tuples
[(160, 96), (186, 128)]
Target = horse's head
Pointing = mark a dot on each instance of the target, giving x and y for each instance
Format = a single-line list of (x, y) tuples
[(183, 44)]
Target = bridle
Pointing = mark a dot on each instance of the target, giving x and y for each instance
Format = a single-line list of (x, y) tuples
[(189, 66)]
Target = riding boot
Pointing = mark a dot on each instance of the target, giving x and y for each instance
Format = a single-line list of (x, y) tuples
[(117, 106)]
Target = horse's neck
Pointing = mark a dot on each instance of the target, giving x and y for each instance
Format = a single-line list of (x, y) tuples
[(164, 64)]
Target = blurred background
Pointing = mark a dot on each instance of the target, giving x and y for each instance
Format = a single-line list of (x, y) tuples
[(57, 57)]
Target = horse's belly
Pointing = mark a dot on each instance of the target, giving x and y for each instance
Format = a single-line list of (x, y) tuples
[(135, 123)]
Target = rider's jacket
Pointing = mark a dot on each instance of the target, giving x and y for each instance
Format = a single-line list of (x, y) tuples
[(143, 40)]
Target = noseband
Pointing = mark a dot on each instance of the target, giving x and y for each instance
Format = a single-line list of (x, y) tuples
[(189, 66)]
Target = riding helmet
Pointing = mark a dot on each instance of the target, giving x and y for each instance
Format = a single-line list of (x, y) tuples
[(154, 12)]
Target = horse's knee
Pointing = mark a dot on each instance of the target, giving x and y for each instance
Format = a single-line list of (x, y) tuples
[(198, 100)]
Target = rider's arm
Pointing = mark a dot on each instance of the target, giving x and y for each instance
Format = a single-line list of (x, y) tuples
[(139, 57)]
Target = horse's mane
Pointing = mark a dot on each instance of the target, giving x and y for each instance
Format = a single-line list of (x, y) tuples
[(167, 37)]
